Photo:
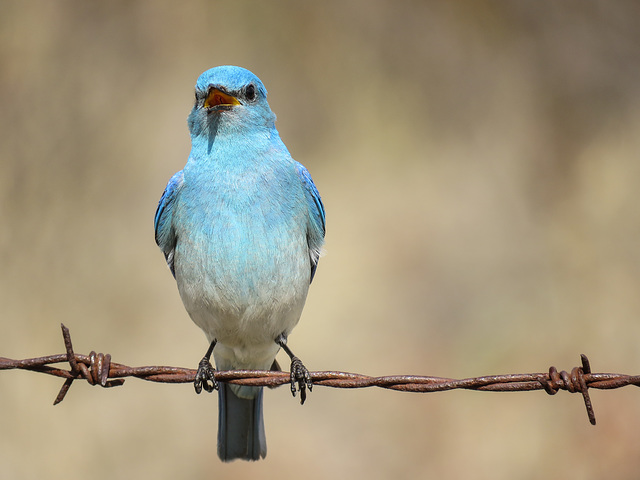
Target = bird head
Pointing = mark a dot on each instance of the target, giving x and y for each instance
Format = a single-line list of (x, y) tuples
[(229, 99)]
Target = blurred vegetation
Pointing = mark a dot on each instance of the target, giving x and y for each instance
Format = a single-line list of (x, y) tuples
[(479, 166)]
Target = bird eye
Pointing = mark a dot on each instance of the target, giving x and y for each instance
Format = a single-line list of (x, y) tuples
[(250, 92)]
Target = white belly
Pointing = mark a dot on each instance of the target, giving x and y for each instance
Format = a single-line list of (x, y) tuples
[(244, 302)]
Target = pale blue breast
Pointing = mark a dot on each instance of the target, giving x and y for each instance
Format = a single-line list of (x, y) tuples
[(242, 252)]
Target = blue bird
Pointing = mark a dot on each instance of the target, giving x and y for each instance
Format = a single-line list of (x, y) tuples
[(241, 228)]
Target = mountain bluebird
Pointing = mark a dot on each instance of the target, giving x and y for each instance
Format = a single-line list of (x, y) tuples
[(241, 228)]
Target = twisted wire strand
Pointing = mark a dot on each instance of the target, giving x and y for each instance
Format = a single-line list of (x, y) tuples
[(98, 369)]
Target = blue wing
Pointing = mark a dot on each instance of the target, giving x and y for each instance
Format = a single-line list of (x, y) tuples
[(316, 230), (163, 225)]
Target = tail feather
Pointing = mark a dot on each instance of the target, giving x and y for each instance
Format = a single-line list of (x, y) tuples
[(240, 426)]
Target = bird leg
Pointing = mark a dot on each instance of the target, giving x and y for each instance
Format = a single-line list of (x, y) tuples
[(205, 374), (299, 373)]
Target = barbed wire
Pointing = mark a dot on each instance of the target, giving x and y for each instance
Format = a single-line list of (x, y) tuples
[(98, 369)]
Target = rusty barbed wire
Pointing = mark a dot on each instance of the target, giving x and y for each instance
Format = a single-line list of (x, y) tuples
[(98, 369)]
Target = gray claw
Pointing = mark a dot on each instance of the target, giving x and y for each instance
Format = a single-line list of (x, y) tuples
[(205, 377), (300, 376)]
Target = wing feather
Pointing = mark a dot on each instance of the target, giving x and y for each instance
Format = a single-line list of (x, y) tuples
[(316, 229), (163, 225)]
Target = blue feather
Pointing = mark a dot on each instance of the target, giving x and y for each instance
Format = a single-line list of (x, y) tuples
[(164, 232), (315, 237)]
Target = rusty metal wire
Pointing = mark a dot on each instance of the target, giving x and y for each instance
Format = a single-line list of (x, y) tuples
[(98, 369)]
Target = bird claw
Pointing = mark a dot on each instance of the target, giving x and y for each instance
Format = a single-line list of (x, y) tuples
[(205, 377), (300, 376)]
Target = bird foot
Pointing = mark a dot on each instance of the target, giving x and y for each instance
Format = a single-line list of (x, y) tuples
[(300, 376), (205, 377)]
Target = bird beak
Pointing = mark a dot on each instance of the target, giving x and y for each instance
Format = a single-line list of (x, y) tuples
[(218, 100)]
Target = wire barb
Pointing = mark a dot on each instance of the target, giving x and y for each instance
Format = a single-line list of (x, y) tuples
[(96, 373), (574, 382), (98, 369)]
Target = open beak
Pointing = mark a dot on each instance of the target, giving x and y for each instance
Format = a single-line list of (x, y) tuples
[(218, 100)]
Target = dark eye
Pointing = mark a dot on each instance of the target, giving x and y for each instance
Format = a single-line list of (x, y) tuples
[(250, 92)]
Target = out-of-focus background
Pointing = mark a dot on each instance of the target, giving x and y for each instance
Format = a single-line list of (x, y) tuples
[(479, 166)]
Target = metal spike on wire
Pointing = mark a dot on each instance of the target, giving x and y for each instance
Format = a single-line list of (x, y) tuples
[(98, 369)]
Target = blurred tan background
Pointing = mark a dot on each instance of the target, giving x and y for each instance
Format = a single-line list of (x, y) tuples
[(479, 166)]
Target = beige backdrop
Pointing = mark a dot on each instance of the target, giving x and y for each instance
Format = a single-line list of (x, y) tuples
[(479, 166)]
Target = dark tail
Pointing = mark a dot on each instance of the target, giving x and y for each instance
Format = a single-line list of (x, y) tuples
[(240, 426)]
